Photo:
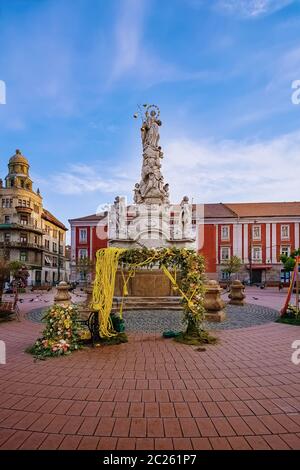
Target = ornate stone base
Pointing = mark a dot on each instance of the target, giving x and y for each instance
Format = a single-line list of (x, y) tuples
[(215, 317), (145, 283), (236, 302)]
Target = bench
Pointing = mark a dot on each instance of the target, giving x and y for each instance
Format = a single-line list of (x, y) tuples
[(44, 287), (91, 321), (9, 308)]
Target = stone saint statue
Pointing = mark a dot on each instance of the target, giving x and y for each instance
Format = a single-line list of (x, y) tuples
[(151, 190), (137, 198), (185, 217), (120, 216), (166, 192), (150, 130)]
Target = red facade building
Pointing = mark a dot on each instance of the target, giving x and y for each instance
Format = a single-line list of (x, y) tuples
[(258, 233)]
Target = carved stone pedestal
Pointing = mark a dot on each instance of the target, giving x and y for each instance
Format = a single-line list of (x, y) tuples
[(62, 296), (237, 295), (213, 303)]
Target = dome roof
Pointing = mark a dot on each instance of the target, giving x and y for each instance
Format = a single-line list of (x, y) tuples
[(18, 158)]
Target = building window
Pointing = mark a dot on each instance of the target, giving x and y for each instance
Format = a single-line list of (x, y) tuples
[(47, 261), (225, 232), (47, 244), (24, 220), (23, 256), (23, 238), (54, 262), (82, 253), (285, 232), (54, 234), (7, 219), (7, 203), (83, 235), (36, 208), (257, 253), (256, 232), (225, 276), (7, 238), (285, 276), (285, 250), (54, 247), (225, 253)]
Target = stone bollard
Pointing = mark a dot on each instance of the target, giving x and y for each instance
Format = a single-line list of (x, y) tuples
[(213, 303), (62, 296), (89, 294), (237, 295)]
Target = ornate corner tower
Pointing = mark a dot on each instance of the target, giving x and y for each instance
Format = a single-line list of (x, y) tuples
[(18, 172)]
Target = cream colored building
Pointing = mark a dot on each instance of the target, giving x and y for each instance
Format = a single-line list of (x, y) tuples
[(28, 232)]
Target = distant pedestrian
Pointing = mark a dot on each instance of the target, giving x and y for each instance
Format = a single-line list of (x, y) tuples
[(280, 286)]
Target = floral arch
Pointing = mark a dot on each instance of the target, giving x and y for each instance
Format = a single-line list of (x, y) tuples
[(190, 287)]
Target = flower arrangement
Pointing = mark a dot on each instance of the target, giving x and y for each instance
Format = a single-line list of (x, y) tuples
[(60, 335)]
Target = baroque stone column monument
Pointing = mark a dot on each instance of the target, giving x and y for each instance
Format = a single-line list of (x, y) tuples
[(151, 220)]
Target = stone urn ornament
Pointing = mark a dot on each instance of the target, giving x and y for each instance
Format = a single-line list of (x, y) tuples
[(213, 303), (62, 296), (237, 294)]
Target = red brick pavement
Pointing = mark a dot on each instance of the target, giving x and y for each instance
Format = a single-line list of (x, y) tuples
[(152, 393)]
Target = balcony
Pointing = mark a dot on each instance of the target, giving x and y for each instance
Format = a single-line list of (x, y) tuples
[(19, 226), (23, 209), (21, 245)]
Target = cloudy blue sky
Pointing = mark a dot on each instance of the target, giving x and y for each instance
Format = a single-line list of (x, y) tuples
[(221, 72)]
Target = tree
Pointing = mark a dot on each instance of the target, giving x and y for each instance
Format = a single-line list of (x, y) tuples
[(18, 271), (232, 266), (4, 274), (290, 261), (85, 266)]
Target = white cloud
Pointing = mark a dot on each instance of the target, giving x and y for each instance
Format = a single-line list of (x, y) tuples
[(128, 37), (251, 8), (208, 171), (135, 59), (81, 178), (225, 171)]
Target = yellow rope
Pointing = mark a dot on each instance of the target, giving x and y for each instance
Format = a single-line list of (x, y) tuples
[(183, 295), (125, 289), (104, 286)]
